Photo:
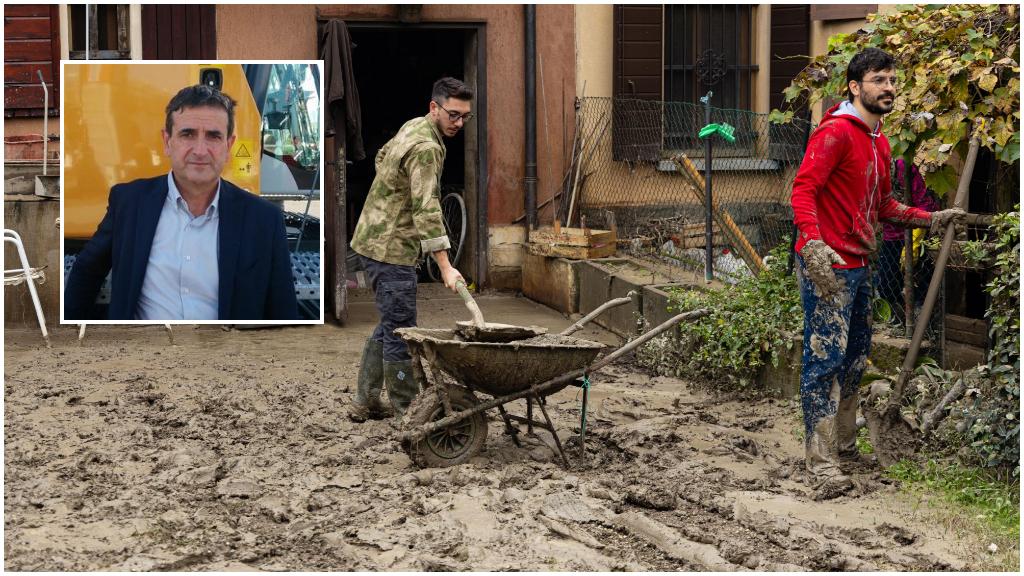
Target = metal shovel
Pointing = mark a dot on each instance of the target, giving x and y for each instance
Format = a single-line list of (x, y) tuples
[(480, 331)]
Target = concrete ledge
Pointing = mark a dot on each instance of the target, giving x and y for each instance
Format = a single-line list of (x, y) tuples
[(886, 356), (603, 279), (655, 306)]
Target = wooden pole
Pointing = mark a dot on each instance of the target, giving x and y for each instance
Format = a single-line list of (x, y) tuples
[(725, 222)]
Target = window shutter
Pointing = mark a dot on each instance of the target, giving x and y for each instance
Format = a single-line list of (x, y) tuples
[(179, 32), (637, 80), (31, 43), (790, 36)]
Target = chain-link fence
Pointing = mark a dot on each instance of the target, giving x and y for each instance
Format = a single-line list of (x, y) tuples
[(642, 166), (639, 166)]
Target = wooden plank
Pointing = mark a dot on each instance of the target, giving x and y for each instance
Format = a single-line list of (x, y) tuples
[(26, 73), (209, 32), (149, 32), (732, 231), (966, 330), (27, 51), (27, 96), (179, 33), (26, 28), (686, 242), (572, 252), (25, 10), (193, 44), (571, 236), (165, 42)]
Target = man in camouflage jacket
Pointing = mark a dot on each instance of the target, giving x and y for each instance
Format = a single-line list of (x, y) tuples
[(401, 220)]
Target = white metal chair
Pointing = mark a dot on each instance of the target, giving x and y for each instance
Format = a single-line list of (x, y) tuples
[(28, 275)]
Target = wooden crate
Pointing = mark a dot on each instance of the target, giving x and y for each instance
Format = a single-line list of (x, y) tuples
[(572, 243)]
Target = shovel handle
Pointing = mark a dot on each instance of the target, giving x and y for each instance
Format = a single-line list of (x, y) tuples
[(478, 317)]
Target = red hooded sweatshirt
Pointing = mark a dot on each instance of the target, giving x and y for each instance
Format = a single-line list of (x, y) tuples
[(843, 189)]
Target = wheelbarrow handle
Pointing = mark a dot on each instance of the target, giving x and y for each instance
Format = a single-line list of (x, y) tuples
[(420, 432), (598, 311)]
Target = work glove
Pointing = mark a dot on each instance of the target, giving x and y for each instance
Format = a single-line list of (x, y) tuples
[(943, 217), (818, 261)]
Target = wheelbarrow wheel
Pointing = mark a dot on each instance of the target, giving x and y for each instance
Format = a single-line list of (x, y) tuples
[(448, 446)]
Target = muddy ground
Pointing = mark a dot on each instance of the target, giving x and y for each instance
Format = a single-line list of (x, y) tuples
[(228, 451)]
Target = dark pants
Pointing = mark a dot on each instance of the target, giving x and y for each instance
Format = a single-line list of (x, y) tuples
[(837, 339), (394, 290)]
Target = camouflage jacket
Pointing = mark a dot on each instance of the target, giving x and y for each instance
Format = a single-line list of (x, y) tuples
[(401, 218)]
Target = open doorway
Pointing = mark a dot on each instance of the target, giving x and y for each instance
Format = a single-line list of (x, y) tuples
[(395, 67)]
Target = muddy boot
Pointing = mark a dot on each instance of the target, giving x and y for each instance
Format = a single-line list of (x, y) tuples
[(848, 425), (401, 383), (367, 403), (822, 455)]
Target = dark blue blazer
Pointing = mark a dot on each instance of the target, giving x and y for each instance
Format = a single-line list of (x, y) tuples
[(254, 265)]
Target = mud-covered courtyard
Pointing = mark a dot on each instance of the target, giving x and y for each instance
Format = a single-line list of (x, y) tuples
[(229, 450)]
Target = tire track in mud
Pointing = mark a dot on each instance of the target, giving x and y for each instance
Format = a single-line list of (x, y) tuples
[(222, 455)]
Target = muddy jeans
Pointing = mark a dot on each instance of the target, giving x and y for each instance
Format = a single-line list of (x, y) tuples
[(394, 290), (837, 339)]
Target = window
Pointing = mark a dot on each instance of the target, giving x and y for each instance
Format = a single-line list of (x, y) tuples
[(676, 54), (108, 33), (707, 48)]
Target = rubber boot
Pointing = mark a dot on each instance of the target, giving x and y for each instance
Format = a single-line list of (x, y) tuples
[(822, 459), (846, 426), (401, 384), (367, 402)]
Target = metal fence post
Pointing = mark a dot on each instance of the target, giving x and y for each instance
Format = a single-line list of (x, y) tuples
[(708, 217)]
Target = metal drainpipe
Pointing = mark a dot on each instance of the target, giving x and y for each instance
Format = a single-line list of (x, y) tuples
[(530, 12)]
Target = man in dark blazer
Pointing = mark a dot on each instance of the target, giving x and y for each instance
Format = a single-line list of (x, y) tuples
[(187, 245)]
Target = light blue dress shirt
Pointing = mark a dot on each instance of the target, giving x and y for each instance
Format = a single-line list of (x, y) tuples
[(182, 278)]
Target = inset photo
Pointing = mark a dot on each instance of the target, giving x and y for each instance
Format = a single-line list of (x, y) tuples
[(191, 193)]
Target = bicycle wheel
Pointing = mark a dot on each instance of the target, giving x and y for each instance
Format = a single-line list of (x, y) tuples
[(453, 213)]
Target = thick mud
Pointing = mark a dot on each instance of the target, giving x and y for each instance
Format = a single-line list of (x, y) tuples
[(229, 450)]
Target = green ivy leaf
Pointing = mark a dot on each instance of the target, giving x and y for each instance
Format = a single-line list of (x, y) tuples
[(942, 181)]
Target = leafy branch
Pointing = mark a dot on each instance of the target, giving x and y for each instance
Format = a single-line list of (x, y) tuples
[(958, 67)]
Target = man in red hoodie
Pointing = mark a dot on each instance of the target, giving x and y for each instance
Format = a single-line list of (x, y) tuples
[(840, 193)]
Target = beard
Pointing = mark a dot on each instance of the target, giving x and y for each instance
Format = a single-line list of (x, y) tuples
[(875, 105)]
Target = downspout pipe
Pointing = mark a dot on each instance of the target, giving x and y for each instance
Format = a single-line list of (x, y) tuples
[(530, 180)]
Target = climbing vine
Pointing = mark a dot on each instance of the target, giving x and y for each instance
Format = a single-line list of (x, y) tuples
[(959, 69)]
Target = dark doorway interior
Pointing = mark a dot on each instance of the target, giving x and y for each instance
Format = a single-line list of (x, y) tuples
[(395, 69)]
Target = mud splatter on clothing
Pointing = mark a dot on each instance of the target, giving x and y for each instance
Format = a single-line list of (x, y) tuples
[(837, 339)]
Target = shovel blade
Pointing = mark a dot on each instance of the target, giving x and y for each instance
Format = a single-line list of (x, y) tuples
[(892, 437)]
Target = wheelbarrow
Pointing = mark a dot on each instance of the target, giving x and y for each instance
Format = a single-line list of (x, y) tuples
[(446, 425)]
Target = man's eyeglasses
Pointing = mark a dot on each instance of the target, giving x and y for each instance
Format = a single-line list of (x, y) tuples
[(881, 81), (455, 116)]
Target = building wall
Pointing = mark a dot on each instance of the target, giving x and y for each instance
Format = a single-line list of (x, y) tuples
[(821, 31), (34, 219), (243, 30), (594, 36)]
